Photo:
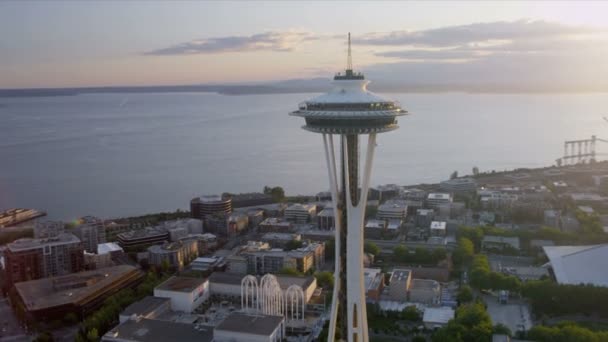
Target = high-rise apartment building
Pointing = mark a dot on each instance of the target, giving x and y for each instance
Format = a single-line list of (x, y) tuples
[(29, 259)]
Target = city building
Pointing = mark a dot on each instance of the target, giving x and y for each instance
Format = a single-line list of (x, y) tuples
[(325, 219), (374, 229), (399, 284), (149, 308), (385, 192), (438, 228), (491, 242), (374, 283), (237, 223), (273, 261), (174, 254), (425, 291), (280, 240), (457, 185), (204, 264), (424, 217), (435, 199), (151, 330), (29, 259), (93, 261), (207, 242), (79, 293), (48, 229), (251, 328), (250, 199), (435, 318), (324, 196), (300, 213), (91, 231), (392, 210), (497, 200), (185, 293), (203, 206), (113, 228), (142, 238), (347, 111), (255, 217), (552, 218), (274, 224), (576, 265)]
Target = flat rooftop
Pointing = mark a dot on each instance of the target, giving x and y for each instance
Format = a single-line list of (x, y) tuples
[(51, 292), (144, 306), (181, 284), (250, 324), (372, 277), (400, 274), (439, 196), (438, 225), (148, 330), (424, 284), (27, 243)]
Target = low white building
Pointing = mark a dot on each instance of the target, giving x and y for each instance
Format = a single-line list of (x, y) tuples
[(425, 291), (186, 293), (251, 328), (435, 199), (438, 228), (392, 210), (434, 318), (300, 213), (399, 284), (459, 185)]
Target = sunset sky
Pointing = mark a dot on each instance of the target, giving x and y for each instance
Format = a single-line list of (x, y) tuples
[(62, 44)]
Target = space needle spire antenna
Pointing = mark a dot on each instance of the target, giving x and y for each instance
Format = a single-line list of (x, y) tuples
[(349, 59)]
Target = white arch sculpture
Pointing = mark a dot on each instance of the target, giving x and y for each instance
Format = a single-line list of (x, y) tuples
[(271, 296), (250, 293), (294, 303)]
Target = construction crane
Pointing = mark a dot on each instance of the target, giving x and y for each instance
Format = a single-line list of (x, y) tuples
[(579, 151)]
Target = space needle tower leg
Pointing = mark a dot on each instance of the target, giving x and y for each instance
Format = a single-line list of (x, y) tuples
[(356, 204), (330, 158)]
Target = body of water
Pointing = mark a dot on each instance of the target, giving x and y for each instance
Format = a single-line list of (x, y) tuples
[(113, 155)]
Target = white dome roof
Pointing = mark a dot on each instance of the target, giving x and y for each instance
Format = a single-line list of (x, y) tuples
[(349, 91)]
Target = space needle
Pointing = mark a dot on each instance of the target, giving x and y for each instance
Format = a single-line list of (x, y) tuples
[(346, 112)]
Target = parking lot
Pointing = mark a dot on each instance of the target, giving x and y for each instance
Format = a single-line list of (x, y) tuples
[(514, 314)]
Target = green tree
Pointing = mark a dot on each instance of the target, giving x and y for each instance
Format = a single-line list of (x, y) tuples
[(293, 244), (290, 271), (474, 234), (464, 252), (372, 248), (411, 313), (93, 335), (325, 279), (465, 294), (502, 329), (277, 193), (400, 252)]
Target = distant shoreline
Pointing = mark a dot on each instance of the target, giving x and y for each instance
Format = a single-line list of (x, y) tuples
[(279, 89)]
